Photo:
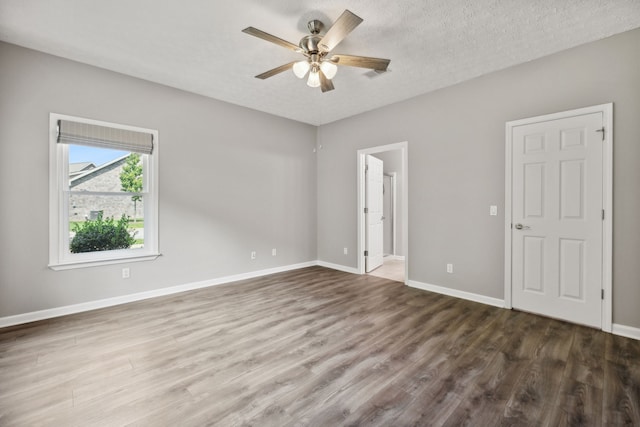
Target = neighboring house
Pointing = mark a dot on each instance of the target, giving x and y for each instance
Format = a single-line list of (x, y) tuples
[(104, 178), (76, 169)]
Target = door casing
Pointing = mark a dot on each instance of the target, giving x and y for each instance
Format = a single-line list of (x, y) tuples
[(392, 213), (607, 185), (361, 154)]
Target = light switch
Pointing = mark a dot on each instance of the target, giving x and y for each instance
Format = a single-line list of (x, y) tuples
[(493, 210)]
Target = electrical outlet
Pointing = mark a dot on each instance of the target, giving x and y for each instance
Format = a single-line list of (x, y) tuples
[(273, 252), (253, 255), (125, 273), (346, 251), (449, 268)]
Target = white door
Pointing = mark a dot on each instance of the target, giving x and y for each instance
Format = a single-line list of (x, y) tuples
[(557, 229), (373, 213)]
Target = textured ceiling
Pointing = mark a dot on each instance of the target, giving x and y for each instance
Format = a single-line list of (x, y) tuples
[(198, 46)]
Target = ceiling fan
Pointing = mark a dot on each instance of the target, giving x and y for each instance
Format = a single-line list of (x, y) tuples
[(319, 63)]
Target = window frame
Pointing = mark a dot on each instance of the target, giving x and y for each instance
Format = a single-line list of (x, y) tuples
[(60, 257)]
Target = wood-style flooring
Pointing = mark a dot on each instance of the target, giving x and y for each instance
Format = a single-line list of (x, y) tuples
[(315, 347)]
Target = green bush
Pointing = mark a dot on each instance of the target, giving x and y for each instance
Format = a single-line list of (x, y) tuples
[(101, 235)]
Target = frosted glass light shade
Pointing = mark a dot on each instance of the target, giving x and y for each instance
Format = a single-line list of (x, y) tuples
[(329, 69), (301, 68), (314, 79)]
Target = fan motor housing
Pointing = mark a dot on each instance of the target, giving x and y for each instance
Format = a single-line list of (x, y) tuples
[(309, 44)]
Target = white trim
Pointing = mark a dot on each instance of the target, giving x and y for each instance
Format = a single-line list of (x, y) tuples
[(361, 155), (607, 227), (457, 294), (507, 215), (626, 331), (338, 267), (395, 257), (96, 263), (607, 203), (124, 299), (394, 211), (59, 256)]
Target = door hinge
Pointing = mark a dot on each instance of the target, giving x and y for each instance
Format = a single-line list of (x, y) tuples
[(602, 293), (601, 130), (366, 253), (366, 210), (366, 168), (603, 214)]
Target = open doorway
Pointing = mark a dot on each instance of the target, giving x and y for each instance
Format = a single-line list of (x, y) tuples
[(393, 193)]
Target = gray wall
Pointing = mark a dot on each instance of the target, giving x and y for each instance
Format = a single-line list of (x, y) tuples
[(456, 166), (393, 163), (232, 181)]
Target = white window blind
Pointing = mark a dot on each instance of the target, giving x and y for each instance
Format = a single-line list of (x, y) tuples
[(70, 132)]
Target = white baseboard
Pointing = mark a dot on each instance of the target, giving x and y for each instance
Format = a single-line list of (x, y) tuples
[(395, 257), (457, 294), (109, 302), (338, 267), (626, 331), (622, 330), (18, 319)]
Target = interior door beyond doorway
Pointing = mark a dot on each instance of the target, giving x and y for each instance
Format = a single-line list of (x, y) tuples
[(373, 213)]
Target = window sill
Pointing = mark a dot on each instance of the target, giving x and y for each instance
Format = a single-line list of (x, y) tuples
[(96, 263)]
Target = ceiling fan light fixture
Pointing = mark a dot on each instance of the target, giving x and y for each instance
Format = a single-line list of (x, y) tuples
[(314, 78), (329, 69), (320, 64), (301, 68)]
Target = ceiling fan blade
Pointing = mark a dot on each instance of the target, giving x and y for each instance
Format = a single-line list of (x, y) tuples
[(345, 23), (275, 71), (271, 38), (378, 64), (325, 84)]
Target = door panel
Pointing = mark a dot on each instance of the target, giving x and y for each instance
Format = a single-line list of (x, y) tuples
[(571, 269), (572, 189), (533, 277), (534, 190), (557, 199)]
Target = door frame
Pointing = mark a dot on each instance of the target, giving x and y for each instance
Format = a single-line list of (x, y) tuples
[(392, 178), (361, 154), (607, 202)]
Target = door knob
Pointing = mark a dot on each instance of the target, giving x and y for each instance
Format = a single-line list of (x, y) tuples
[(522, 227)]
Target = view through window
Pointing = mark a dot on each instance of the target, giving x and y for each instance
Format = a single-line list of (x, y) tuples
[(105, 186)]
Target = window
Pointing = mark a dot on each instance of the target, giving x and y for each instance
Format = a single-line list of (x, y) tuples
[(103, 193)]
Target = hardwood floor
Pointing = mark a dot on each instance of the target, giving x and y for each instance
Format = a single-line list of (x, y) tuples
[(314, 347)]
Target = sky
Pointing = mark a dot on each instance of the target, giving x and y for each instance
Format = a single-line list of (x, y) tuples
[(97, 156)]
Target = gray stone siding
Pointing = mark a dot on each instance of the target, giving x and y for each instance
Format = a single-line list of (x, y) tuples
[(102, 179)]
